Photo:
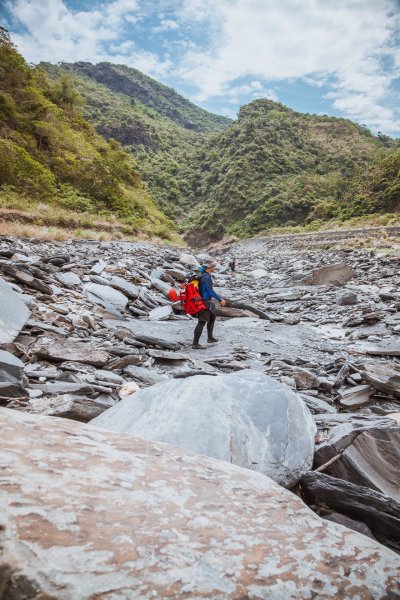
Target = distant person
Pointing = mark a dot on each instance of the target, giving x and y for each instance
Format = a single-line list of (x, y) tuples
[(232, 263), (208, 294)]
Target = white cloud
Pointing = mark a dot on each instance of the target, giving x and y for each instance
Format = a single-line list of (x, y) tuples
[(56, 33), (233, 50), (254, 89), (319, 41), (165, 25)]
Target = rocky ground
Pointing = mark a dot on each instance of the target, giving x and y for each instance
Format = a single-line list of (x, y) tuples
[(86, 324)]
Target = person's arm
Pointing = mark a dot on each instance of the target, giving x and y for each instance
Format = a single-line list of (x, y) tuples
[(208, 290)]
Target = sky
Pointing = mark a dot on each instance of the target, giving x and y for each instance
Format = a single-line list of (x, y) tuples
[(334, 57)]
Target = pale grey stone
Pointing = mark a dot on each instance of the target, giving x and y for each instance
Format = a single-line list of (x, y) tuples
[(126, 287), (13, 313), (105, 296), (68, 278), (162, 313), (246, 418)]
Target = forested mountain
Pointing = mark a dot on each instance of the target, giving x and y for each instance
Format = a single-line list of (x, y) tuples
[(139, 87), (50, 153), (274, 166), (271, 167), (160, 145)]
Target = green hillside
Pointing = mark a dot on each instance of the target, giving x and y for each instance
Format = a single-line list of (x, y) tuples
[(212, 176), (271, 167), (160, 131), (50, 153), (149, 92), (275, 167)]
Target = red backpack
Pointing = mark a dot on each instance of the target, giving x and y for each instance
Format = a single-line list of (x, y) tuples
[(190, 297)]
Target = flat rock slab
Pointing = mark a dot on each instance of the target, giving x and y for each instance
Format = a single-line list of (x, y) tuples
[(162, 313), (105, 296), (55, 349), (336, 274), (126, 287), (245, 418), (355, 397), (385, 348), (68, 278), (383, 377), (156, 341), (13, 313), (87, 513), (146, 376)]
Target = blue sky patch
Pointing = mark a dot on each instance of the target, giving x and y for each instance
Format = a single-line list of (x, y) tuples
[(315, 56)]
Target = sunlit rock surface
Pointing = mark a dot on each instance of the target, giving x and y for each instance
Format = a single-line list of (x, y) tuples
[(86, 513)]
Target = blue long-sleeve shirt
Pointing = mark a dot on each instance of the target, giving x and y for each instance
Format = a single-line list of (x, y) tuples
[(206, 288)]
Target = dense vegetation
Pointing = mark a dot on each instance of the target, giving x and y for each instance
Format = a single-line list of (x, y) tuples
[(50, 153), (271, 167), (160, 145), (274, 167)]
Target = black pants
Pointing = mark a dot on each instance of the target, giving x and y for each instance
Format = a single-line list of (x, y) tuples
[(206, 316)]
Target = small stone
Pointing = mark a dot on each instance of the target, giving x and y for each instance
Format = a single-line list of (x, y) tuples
[(348, 299), (162, 313)]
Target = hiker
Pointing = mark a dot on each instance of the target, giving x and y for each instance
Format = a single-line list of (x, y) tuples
[(232, 263), (208, 294)]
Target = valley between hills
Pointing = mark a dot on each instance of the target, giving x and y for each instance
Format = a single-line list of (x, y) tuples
[(84, 145)]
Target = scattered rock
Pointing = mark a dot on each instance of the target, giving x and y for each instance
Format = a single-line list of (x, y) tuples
[(259, 273), (68, 278), (385, 348), (146, 376), (59, 349), (189, 260), (355, 397), (335, 274), (106, 296), (160, 342), (126, 287), (372, 460), (67, 406), (348, 299), (304, 379), (383, 377), (378, 511), (353, 524), (162, 313)]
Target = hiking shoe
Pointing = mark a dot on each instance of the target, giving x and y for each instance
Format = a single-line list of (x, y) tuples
[(212, 340), (198, 347)]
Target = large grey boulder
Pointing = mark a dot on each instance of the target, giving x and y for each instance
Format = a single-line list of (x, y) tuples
[(13, 313), (245, 418), (86, 513)]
